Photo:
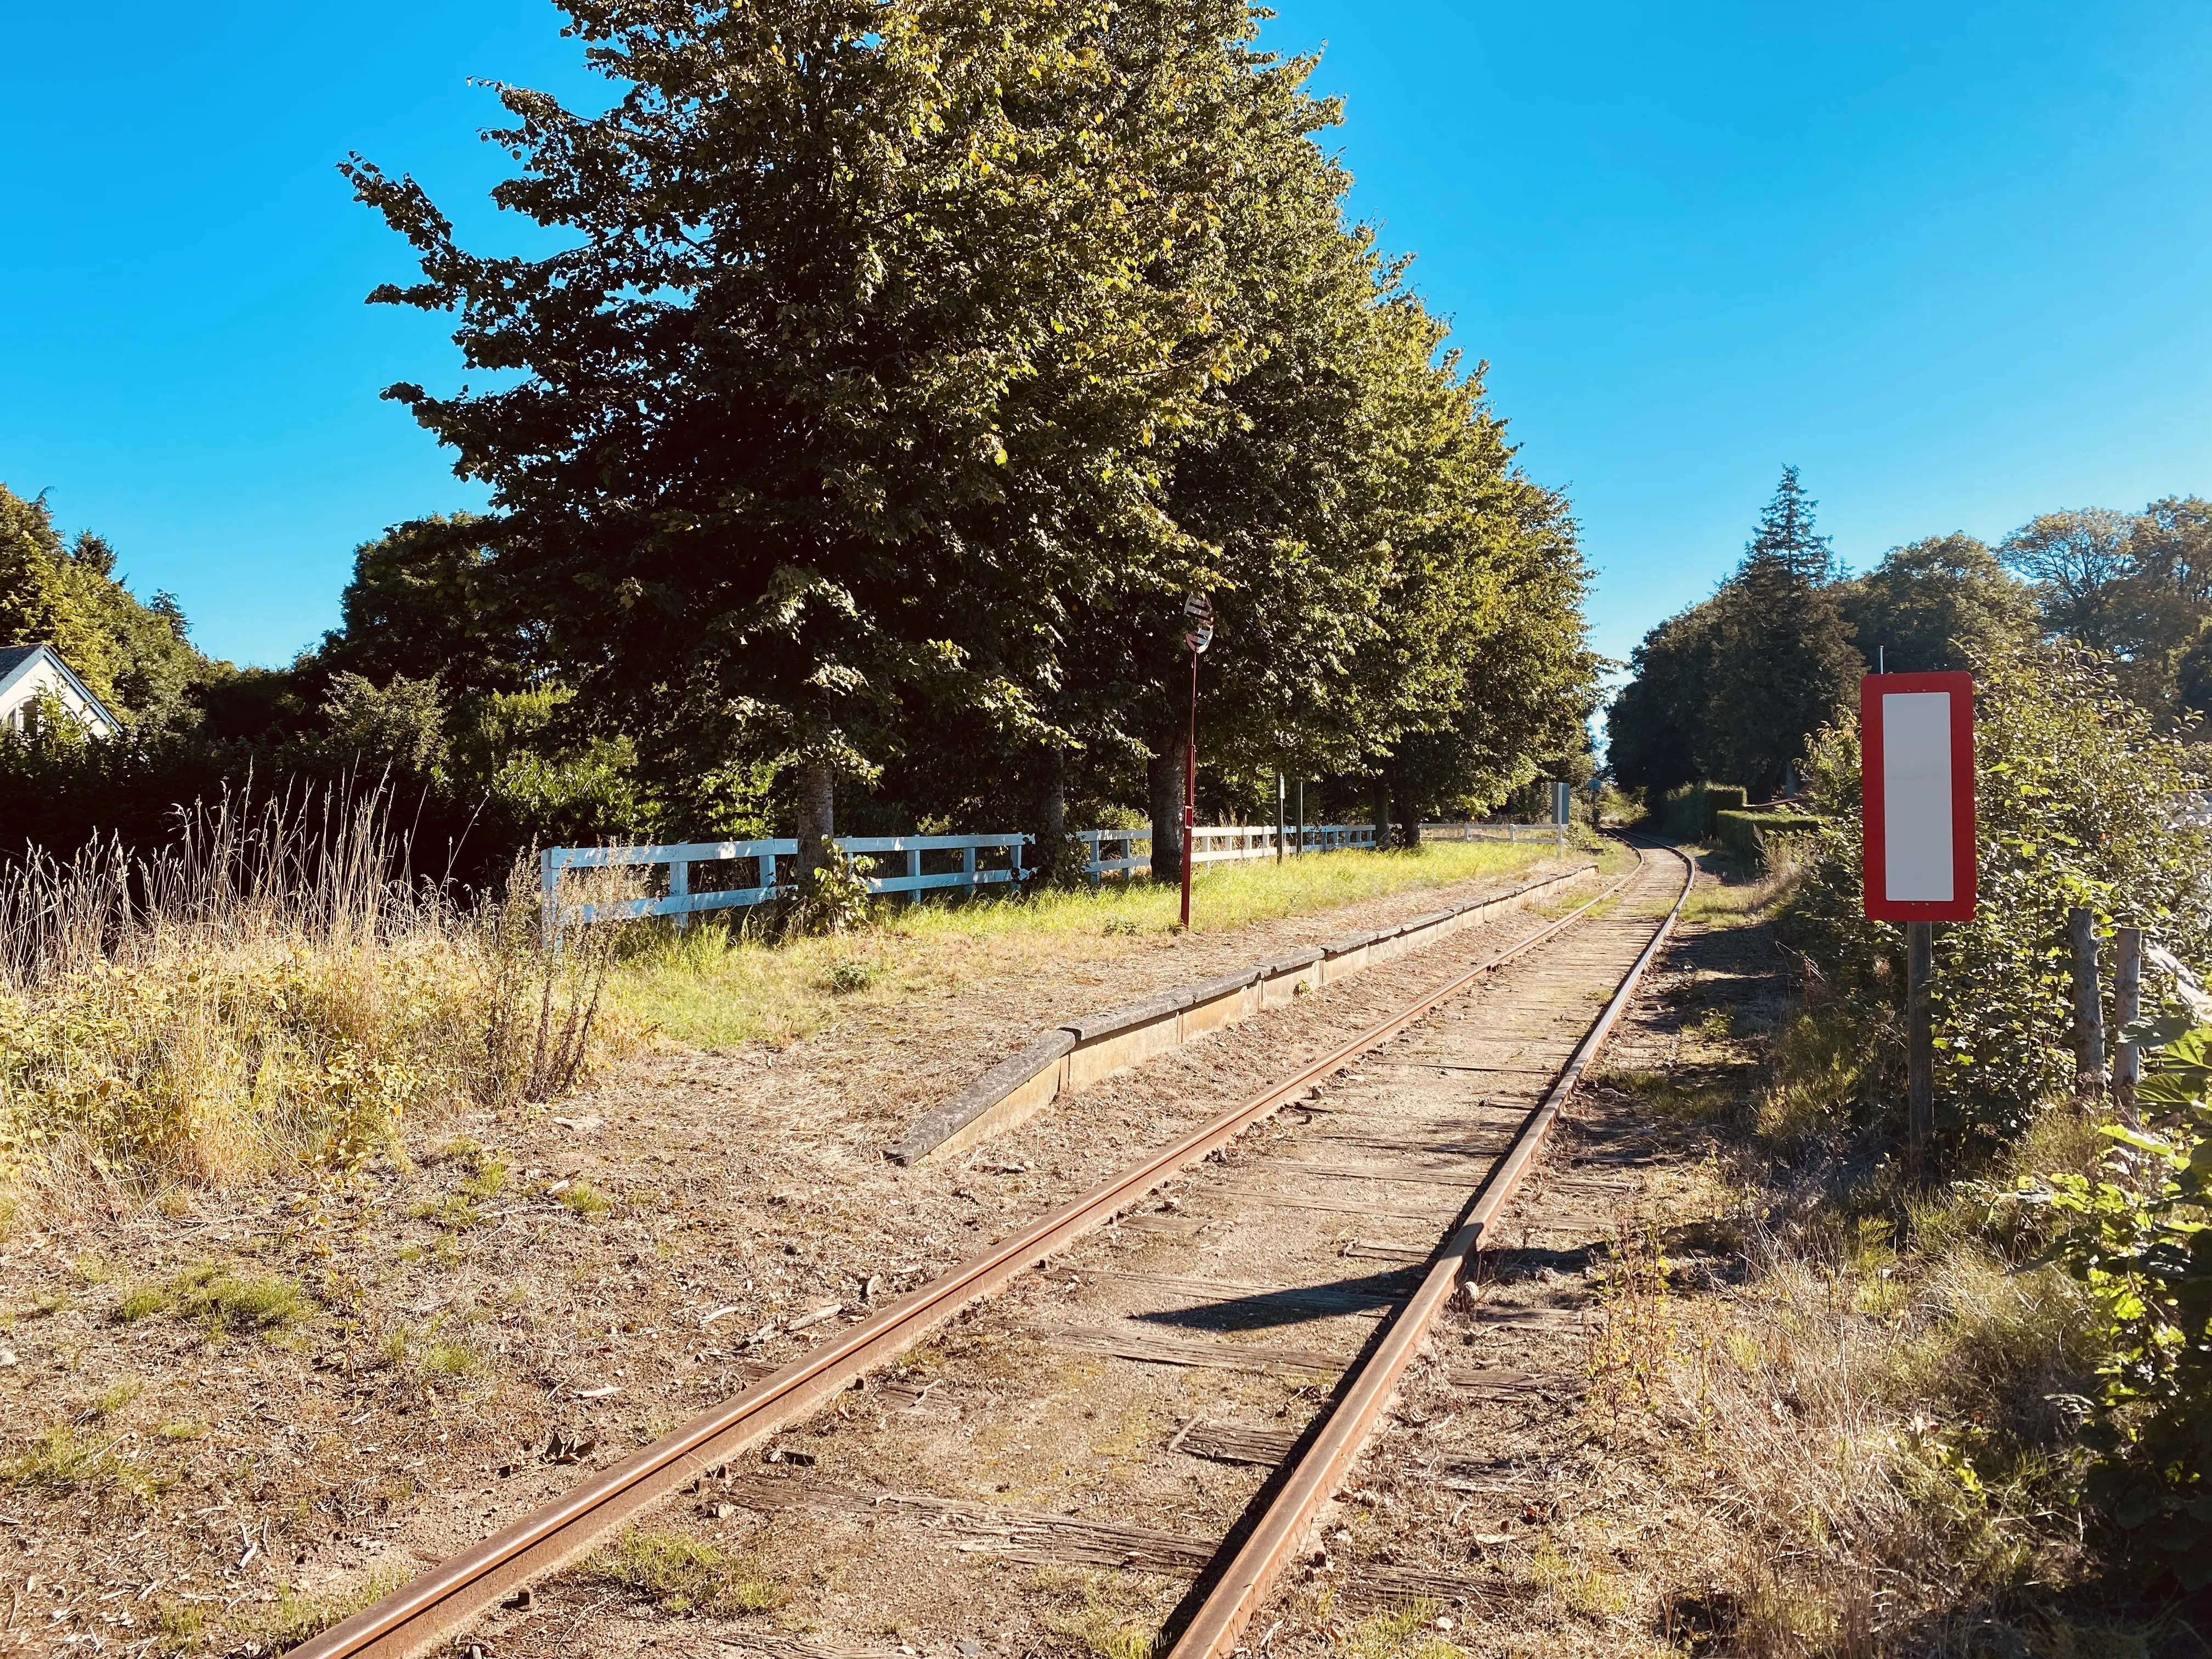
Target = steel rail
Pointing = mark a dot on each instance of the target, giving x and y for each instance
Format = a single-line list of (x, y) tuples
[(1243, 1587), (433, 1608)]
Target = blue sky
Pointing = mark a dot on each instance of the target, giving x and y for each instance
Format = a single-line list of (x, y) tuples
[(1949, 258)]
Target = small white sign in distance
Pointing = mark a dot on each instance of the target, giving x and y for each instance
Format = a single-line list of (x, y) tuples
[(1916, 788)]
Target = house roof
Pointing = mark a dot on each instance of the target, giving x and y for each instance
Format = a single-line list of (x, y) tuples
[(16, 660)]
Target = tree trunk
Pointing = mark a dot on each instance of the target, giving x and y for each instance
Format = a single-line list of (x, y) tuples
[(817, 815), (1401, 811), (1378, 795), (1164, 782), (1051, 825)]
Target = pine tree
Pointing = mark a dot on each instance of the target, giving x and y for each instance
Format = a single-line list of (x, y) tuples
[(1783, 657), (1786, 536)]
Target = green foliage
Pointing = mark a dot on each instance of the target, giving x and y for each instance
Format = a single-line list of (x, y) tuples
[(683, 1574), (2139, 1234), (2077, 803), (1936, 604), (133, 656), (848, 974), (1081, 328), (1782, 662), (1689, 814), (2135, 586), (833, 898), (222, 1301), (1654, 723), (399, 726), (583, 1199), (1753, 838), (1735, 687), (421, 604)]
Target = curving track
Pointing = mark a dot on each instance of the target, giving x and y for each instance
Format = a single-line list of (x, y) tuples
[(1171, 1400)]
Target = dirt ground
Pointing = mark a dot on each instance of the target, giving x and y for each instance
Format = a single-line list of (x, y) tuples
[(231, 1419)]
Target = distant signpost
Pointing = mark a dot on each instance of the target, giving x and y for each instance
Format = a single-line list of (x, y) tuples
[(1917, 749)]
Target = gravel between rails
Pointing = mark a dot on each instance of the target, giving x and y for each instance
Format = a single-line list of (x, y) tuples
[(221, 1491)]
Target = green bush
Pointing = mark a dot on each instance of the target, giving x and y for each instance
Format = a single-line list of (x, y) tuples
[(2140, 1235), (1688, 813), (1751, 835), (2078, 802)]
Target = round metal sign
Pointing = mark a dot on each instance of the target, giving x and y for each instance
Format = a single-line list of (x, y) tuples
[(1198, 607)]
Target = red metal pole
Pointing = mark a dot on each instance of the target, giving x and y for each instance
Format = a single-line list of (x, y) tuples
[(1189, 789)]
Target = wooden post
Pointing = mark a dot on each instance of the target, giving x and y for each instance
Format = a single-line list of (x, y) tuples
[(1278, 817), (1920, 1036), (679, 887), (2127, 1007), (2089, 1002)]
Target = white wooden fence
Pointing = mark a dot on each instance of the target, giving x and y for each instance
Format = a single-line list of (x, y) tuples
[(930, 862)]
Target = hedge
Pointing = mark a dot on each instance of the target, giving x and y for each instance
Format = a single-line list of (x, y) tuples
[(1688, 813), (1748, 835)]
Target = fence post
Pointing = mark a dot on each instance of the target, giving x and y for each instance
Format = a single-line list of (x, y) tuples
[(1919, 1037), (968, 864), (2127, 1007), (679, 887), (2088, 1004)]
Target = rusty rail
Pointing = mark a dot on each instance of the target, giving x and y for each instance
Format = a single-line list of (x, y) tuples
[(1242, 1589), (432, 1609)]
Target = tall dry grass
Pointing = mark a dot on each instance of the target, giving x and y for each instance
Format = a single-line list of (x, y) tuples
[(275, 988)]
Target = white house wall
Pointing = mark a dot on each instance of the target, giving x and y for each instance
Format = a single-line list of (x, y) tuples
[(40, 678)]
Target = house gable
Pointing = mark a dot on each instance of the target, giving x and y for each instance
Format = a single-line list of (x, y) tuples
[(28, 672)]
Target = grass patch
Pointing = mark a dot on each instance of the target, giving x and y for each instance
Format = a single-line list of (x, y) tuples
[(297, 1617), (1113, 1616), (110, 1401), (721, 983), (178, 1624), (450, 1359), (584, 1199), (1407, 1630), (221, 1300), (62, 1458), (682, 1574)]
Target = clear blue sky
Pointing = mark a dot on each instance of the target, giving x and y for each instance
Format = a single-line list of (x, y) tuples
[(1950, 258)]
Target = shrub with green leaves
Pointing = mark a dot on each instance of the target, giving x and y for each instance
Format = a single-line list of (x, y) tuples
[(1754, 837), (2080, 801), (2140, 1235)]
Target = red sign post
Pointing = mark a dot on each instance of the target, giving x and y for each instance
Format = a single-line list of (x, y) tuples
[(1916, 748), (1916, 736), (1198, 612)]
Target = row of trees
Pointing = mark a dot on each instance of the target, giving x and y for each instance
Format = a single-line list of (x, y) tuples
[(1735, 687), (902, 365)]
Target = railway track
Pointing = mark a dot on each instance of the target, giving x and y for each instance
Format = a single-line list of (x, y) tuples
[(1173, 1374)]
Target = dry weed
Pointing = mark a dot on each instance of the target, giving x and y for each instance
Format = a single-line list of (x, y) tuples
[(273, 988)]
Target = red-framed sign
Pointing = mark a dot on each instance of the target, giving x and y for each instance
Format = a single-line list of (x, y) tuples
[(1917, 740)]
